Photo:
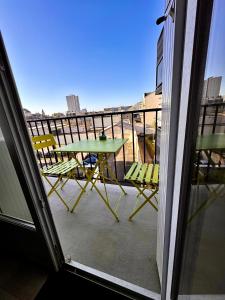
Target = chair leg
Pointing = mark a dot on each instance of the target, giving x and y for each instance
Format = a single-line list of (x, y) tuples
[(54, 190), (207, 203), (54, 186), (140, 193), (101, 170), (69, 176), (147, 200), (64, 183)]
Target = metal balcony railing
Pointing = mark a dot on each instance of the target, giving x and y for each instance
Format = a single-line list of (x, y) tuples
[(140, 127), (212, 118)]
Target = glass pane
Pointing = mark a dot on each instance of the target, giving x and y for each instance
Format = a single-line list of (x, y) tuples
[(203, 267), (12, 200)]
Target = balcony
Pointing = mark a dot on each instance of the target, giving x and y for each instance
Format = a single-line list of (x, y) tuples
[(90, 236)]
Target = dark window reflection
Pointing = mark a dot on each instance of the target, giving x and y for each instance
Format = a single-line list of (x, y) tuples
[(159, 73), (203, 268)]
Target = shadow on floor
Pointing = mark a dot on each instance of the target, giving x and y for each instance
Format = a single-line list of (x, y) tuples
[(63, 285), (20, 279)]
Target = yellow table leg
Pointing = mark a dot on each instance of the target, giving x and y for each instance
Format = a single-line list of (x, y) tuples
[(114, 178), (101, 169), (89, 175), (79, 197)]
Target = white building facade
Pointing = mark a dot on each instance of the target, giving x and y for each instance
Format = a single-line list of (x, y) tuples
[(73, 103), (211, 88)]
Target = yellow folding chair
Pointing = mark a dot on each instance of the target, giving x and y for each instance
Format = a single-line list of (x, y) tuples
[(62, 169), (144, 177)]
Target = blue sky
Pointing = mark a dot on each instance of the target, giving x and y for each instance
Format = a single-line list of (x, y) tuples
[(215, 63), (102, 50)]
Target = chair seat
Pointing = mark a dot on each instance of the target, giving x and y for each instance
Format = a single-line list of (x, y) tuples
[(61, 168), (143, 173)]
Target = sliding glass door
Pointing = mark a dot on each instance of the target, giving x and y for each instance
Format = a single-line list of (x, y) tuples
[(12, 201), (197, 243), (203, 263), (24, 217)]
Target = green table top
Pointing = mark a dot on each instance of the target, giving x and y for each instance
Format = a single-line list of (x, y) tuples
[(94, 146), (211, 142)]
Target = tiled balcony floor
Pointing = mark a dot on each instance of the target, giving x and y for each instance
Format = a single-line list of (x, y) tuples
[(92, 237)]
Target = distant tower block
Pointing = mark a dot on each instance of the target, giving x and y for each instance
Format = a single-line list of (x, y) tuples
[(73, 104), (211, 88)]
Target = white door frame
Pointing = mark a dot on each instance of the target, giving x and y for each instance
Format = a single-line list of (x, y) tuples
[(38, 203), (22, 155), (172, 76), (195, 51)]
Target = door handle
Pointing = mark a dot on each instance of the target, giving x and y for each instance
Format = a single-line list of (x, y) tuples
[(163, 18)]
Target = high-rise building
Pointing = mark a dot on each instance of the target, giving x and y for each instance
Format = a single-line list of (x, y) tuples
[(73, 103), (211, 88)]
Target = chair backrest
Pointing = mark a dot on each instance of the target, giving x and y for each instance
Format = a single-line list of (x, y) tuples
[(43, 141)]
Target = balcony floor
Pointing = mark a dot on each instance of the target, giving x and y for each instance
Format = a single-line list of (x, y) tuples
[(91, 236)]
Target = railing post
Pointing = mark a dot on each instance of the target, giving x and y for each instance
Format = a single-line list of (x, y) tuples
[(203, 120), (93, 122), (78, 133), (156, 132), (215, 120), (37, 152), (144, 137), (71, 134), (38, 133), (114, 153), (43, 129), (132, 118), (50, 131), (124, 159)]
